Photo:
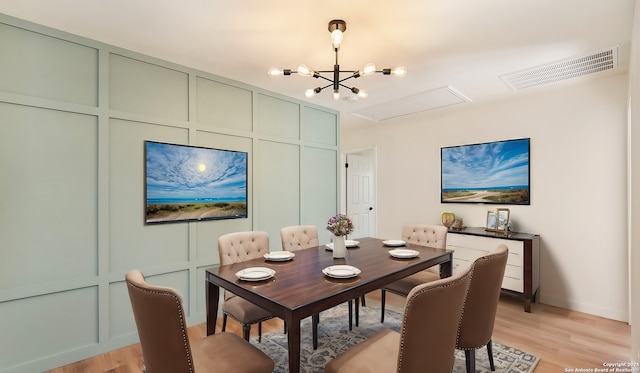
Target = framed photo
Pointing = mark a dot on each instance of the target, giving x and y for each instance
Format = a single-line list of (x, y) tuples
[(192, 183), (503, 219), (492, 220)]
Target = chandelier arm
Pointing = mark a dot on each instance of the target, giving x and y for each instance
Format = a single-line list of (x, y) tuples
[(325, 78), (347, 78)]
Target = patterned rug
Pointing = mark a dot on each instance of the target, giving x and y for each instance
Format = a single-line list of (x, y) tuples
[(335, 337)]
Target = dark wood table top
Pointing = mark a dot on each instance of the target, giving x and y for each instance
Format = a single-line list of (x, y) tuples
[(300, 285)]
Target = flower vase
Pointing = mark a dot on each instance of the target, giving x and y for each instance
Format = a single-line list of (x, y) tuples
[(339, 247)]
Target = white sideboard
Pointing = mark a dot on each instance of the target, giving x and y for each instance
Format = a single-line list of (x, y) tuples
[(521, 276)]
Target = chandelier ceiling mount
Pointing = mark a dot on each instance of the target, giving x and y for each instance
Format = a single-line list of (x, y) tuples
[(337, 27)]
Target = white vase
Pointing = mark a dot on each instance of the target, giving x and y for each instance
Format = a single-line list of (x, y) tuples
[(339, 247)]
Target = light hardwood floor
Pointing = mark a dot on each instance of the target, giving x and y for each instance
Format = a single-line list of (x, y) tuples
[(563, 339)]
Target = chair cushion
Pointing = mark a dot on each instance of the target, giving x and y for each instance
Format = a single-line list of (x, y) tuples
[(378, 353), (226, 352), (404, 285), (244, 311)]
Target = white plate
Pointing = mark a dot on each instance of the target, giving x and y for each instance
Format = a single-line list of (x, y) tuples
[(255, 274), (279, 256), (347, 244), (341, 271), (403, 253), (394, 243), (351, 243)]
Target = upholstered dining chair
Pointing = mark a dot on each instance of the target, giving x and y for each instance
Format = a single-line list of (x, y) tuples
[(239, 247), (298, 237), (481, 305), (418, 234), (427, 338), (165, 343)]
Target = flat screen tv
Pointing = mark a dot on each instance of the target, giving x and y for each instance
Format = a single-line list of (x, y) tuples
[(191, 183), (495, 172)]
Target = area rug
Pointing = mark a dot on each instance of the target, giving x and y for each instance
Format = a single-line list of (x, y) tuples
[(334, 337)]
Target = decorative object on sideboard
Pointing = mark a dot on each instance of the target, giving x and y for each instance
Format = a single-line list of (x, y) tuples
[(337, 27), (492, 220), (458, 224), (448, 218), (498, 221)]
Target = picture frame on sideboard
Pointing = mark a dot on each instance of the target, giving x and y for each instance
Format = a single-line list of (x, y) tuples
[(492, 220), (503, 219)]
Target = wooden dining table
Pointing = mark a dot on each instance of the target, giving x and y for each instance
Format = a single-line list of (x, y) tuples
[(300, 289)]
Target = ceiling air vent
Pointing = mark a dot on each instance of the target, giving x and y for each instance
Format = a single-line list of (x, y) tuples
[(562, 70)]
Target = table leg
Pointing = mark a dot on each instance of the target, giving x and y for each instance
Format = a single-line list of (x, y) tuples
[(294, 345), (212, 298), (445, 269)]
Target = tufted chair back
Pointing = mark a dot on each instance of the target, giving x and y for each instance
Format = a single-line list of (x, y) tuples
[(425, 235), (242, 246), (299, 237)]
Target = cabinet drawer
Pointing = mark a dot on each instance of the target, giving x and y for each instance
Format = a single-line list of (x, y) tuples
[(513, 284), (460, 265), (466, 253), (462, 243), (513, 278), (515, 272)]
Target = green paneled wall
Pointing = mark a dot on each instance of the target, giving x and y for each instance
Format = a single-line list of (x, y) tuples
[(74, 115)]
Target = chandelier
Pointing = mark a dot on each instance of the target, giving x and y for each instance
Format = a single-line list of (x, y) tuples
[(337, 27)]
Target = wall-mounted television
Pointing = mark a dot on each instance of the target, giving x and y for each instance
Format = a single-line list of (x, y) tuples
[(191, 183), (495, 172)]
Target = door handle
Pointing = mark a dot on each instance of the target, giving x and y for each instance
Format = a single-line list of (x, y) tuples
[(370, 208)]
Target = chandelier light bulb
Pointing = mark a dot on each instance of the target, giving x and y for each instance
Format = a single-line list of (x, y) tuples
[(336, 38), (309, 93), (363, 94), (399, 71), (336, 95), (275, 72), (305, 70), (368, 69)]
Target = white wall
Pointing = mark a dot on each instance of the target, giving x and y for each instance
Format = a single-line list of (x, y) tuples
[(578, 182)]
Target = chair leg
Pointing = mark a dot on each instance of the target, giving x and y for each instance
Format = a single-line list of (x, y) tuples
[(246, 330), (364, 303), (470, 357), (315, 319), (357, 301), (350, 303), (490, 352), (260, 332), (224, 322), (383, 297)]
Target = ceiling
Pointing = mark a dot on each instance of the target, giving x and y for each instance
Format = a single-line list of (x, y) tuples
[(453, 49)]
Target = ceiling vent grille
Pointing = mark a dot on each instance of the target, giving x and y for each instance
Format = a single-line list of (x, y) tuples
[(562, 70)]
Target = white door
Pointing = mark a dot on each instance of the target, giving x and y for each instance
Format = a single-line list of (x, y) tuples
[(360, 195)]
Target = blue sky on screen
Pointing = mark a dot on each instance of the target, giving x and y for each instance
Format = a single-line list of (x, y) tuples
[(175, 171), (496, 164)]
